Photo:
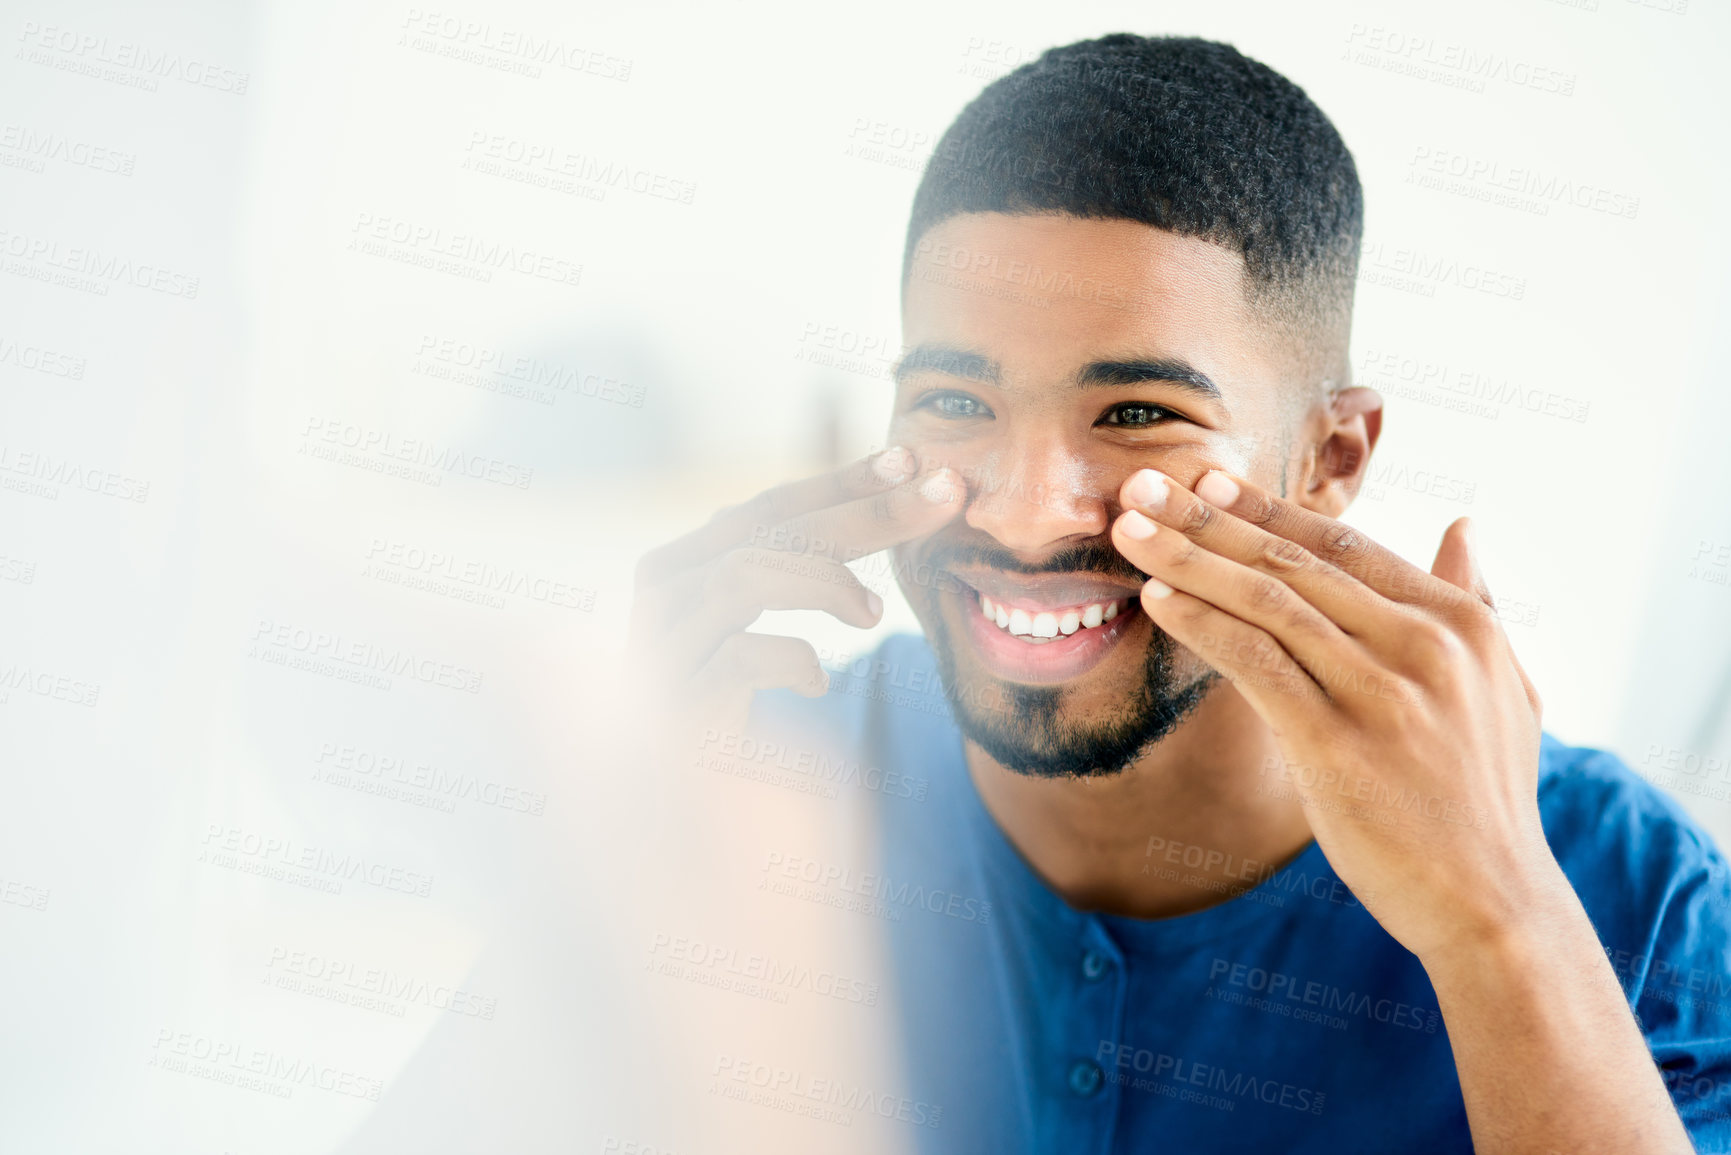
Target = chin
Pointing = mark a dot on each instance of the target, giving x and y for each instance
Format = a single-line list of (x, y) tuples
[(1071, 681)]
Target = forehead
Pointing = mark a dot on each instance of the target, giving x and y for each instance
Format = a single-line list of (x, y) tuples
[(1040, 293)]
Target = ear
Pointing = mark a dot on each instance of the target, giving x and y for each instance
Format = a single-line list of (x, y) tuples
[(1341, 435)]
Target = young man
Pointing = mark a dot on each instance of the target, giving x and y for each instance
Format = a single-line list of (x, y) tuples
[(1241, 831)]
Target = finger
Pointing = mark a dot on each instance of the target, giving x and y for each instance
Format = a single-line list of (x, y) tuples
[(735, 525), (1453, 562), (1457, 561), (1256, 665), (734, 589), (1256, 598), (1334, 542), (736, 574), (1533, 699), (746, 663), (1474, 614), (849, 532), (1353, 606)]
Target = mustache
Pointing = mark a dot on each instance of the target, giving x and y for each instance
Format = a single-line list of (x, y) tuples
[(1090, 557)]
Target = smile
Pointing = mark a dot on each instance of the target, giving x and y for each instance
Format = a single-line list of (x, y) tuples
[(1039, 626), (1044, 629)]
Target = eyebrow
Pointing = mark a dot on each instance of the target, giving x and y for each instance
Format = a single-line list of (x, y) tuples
[(951, 362), (1170, 370), (972, 366)]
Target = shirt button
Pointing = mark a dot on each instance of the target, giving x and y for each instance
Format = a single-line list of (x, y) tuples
[(1094, 964), (1085, 1078)]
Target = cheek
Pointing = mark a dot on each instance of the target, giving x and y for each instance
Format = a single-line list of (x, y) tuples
[(920, 586), (1237, 456), (973, 456), (912, 574), (1186, 463)]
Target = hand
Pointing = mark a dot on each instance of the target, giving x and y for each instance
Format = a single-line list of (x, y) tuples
[(1410, 732), (785, 549)]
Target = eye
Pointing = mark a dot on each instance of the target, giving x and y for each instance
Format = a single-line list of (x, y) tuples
[(1135, 415), (948, 403)]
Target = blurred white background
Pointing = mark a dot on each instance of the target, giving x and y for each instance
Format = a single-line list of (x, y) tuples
[(704, 207)]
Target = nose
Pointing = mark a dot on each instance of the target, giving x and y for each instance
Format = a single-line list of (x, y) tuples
[(1037, 496)]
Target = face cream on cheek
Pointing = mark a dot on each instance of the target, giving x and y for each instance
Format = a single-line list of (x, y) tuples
[(1236, 456), (1188, 464)]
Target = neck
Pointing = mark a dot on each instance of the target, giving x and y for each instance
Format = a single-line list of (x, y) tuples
[(1186, 826)]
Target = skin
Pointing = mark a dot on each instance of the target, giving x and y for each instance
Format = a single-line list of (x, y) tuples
[(1338, 669)]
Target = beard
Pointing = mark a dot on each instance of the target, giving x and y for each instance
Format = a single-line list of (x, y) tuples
[(1025, 728)]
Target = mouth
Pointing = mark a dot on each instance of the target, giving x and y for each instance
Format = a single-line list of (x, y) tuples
[(1045, 628)]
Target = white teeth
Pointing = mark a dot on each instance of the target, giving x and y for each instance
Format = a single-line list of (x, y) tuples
[(1047, 625)]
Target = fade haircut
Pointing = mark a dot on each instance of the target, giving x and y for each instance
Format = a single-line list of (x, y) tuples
[(1182, 134)]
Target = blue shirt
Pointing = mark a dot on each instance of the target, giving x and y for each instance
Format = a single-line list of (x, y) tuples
[(1284, 1019)]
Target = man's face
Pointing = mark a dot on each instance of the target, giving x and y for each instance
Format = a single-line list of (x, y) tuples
[(1047, 359)]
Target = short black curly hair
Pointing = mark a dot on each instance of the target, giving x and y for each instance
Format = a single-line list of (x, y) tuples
[(1184, 134)]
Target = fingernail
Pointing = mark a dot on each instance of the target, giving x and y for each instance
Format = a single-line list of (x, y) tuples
[(939, 488), (874, 603), (1147, 489), (1217, 489), (893, 464), (1136, 526), (1156, 588)]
